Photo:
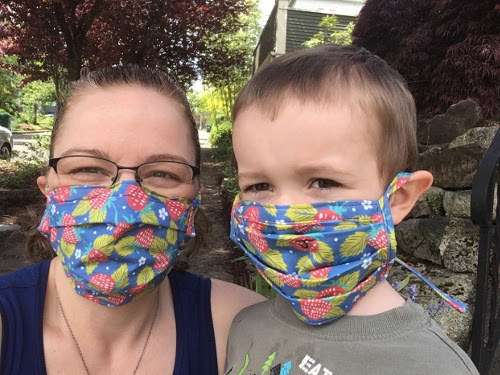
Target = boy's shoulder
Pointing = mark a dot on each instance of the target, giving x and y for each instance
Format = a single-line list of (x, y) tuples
[(269, 334)]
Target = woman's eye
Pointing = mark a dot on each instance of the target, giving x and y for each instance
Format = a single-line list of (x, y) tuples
[(257, 187), (88, 170), (324, 183), (163, 175)]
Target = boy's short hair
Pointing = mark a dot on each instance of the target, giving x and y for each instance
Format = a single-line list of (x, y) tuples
[(331, 72)]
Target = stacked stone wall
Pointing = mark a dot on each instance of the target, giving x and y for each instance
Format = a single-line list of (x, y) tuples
[(438, 236)]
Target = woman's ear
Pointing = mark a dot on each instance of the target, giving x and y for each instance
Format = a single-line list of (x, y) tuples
[(41, 181), (403, 199)]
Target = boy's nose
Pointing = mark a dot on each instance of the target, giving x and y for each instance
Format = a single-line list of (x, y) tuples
[(288, 198)]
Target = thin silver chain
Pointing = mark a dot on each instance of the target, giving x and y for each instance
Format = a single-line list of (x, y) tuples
[(80, 350)]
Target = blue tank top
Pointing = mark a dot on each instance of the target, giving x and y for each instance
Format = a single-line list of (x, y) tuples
[(22, 299)]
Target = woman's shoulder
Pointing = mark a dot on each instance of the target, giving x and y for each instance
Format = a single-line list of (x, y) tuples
[(26, 277)]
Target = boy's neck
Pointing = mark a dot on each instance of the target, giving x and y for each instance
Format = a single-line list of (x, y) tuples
[(380, 299)]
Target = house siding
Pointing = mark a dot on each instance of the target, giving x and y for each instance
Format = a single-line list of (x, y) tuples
[(302, 25), (267, 40)]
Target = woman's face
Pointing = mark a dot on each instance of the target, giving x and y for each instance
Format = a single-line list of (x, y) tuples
[(128, 125)]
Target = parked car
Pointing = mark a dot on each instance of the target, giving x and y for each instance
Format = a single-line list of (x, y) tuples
[(6, 143)]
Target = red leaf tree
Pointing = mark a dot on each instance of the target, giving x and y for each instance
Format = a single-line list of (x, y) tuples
[(447, 50), (56, 38)]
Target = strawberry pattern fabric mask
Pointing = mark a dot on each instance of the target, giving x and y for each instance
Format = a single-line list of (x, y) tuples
[(116, 244), (321, 257)]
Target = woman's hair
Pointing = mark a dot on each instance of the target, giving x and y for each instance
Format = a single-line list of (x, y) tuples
[(39, 247)]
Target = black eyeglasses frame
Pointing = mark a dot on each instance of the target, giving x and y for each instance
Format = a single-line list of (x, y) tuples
[(53, 164)]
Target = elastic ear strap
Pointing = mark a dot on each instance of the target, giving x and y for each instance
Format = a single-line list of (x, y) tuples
[(398, 181)]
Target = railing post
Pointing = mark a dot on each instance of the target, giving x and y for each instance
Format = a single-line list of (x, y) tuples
[(482, 198)]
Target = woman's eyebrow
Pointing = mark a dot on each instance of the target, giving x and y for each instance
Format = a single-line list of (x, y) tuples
[(87, 151), (166, 157)]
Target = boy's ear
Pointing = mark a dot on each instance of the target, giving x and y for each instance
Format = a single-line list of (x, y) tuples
[(41, 182), (403, 199)]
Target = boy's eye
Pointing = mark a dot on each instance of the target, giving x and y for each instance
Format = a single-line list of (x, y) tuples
[(258, 187), (324, 183)]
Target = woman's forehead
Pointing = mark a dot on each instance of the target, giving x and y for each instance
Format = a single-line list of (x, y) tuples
[(126, 122)]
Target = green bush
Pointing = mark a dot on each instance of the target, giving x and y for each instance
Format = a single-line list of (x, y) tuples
[(220, 138), (19, 175)]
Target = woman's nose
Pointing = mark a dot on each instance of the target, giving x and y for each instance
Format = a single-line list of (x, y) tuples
[(126, 175)]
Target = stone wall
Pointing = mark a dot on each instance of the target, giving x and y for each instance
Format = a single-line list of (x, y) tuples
[(438, 236)]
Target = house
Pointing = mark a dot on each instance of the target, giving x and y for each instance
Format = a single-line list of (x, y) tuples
[(293, 22)]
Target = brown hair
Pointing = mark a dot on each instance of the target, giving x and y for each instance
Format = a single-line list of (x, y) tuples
[(326, 73), (38, 247)]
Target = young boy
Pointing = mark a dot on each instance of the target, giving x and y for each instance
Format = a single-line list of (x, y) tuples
[(324, 139)]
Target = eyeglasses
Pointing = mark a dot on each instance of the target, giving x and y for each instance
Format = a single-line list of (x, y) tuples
[(160, 176)]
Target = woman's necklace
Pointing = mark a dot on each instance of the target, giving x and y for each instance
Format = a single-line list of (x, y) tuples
[(78, 346)]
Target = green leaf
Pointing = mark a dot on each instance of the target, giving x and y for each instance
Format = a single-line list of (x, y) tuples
[(404, 283), (304, 265), (349, 281), (67, 248), (376, 264), (171, 236), (103, 241), (125, 246), (305, 212), (334, 312), (120, 276), (145, 276), (271, 209), (284, 240), (91, 266), (158, 245), (345, 225), (369, 284), (271, 275), (82, 208), (249, 247), (150, 218), (305, 294), (324, 253), (274, 259), (97, 216), (354, 244)]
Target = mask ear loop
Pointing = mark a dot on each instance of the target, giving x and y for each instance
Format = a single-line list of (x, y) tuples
[(457, 305), (399, 181)]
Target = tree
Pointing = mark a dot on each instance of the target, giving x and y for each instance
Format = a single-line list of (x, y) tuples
[(35, 95), (447, 50), (331, 34), (227, 60), (9, 91), (56, 38)]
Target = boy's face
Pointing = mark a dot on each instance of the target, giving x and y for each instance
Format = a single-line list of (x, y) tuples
[(308, 153)]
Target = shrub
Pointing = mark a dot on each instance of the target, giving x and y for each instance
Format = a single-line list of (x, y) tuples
[(19, 175), (447, 50), (220, 138)]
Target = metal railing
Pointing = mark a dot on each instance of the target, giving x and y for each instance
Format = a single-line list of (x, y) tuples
[(486, 323)]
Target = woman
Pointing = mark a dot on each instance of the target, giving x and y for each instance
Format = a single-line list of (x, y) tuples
[(122, 191)]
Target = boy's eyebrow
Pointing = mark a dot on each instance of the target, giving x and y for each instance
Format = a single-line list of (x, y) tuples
[(322, 168), (250, 175)]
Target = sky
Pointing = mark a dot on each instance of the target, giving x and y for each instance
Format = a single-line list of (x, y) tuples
[(266, 6)]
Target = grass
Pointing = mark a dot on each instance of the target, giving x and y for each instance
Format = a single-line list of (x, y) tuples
[(44, 124)]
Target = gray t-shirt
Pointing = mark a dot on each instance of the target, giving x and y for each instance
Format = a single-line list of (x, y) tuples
[(268, 338)]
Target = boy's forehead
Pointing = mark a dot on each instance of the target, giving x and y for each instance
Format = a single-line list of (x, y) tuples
[(292, 106)]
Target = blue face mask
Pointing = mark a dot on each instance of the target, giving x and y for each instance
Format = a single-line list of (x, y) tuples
[(116, 244), (322, 257)]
